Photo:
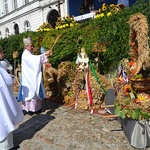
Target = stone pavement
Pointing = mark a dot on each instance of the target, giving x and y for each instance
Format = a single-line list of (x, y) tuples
[(63, 128)]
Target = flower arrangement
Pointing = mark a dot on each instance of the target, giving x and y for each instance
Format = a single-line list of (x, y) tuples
[(132, 104), (44, 27), (107, 10), (65, 22), (133, 96)]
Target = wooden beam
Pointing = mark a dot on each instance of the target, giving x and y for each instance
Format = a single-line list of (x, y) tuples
[(107, 106), (110, 116)]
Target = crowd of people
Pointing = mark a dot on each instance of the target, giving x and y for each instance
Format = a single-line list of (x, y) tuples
[(31, 91)]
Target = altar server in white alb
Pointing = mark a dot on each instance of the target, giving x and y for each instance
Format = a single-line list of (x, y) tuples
[(31, 90), (10, 111), (6, 64)]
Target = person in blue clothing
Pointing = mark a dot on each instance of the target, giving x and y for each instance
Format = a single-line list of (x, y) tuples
[(124, 2)]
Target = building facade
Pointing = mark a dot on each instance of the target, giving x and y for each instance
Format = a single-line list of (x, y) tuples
[(17, 16)]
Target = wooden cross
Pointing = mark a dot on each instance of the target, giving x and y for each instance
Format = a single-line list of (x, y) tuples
[(58, 5)]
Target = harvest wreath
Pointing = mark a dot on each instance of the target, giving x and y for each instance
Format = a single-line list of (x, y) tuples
[(133, 82)]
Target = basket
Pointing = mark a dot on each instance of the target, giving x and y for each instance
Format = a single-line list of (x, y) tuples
[(141, 84)]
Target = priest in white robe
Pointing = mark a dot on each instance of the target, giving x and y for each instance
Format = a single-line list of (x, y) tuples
[(31, 90), (10, 111), (6, 64)]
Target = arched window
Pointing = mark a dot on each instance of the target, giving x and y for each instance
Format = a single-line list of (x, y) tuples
[(52, 17), (27, 26), (16, 28), (7, 32)]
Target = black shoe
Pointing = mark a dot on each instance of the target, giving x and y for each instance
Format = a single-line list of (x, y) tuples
[(43, 109), (25, 112), (39, 111), (31, 113), (15, 148)]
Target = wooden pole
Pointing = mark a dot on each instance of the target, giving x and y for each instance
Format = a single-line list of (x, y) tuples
[(107, 106), (110, 116)]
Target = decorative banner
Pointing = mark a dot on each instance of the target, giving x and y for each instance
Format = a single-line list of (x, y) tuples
[(97, 79), (88, 89)]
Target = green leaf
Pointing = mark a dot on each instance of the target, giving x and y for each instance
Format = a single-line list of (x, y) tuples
[(123, 114), (135, 115)]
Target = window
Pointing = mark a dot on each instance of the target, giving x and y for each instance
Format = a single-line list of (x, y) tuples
[(52, 17), (7, 32), (16, 28), (26, 1), (6, 6), (15, 4), (27, 26)]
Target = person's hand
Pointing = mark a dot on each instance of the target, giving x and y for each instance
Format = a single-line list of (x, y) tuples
[(49, 52)]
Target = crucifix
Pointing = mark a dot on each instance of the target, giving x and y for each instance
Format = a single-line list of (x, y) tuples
[(99, 47), (58, 5)]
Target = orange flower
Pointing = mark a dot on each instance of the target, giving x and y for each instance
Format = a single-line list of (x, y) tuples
[(133, 44), (127, 93), (127, 88), (131, 63)]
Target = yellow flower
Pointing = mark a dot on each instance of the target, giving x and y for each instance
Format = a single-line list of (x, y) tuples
[(63, 21), (104, 4), (60, 27), (115, 9), (64, 26), (67, 17), (47, 29), (112, 5), (104, 8), (59, 19), (97, 16), (71, 25), (101, 15), (44, 24), (109, 14)]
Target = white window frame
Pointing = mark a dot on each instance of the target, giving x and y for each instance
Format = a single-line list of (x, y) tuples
[(26, 1), (15, 5), (6, 6)]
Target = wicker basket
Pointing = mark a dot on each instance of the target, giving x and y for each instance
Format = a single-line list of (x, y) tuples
[(141, 84)]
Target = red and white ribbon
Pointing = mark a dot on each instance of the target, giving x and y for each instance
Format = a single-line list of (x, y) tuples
[(88, 89)]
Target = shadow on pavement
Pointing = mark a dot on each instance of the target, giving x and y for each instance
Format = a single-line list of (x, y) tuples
[(29, 128)]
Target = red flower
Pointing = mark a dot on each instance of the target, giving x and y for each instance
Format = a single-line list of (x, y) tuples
[(122, 107)]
